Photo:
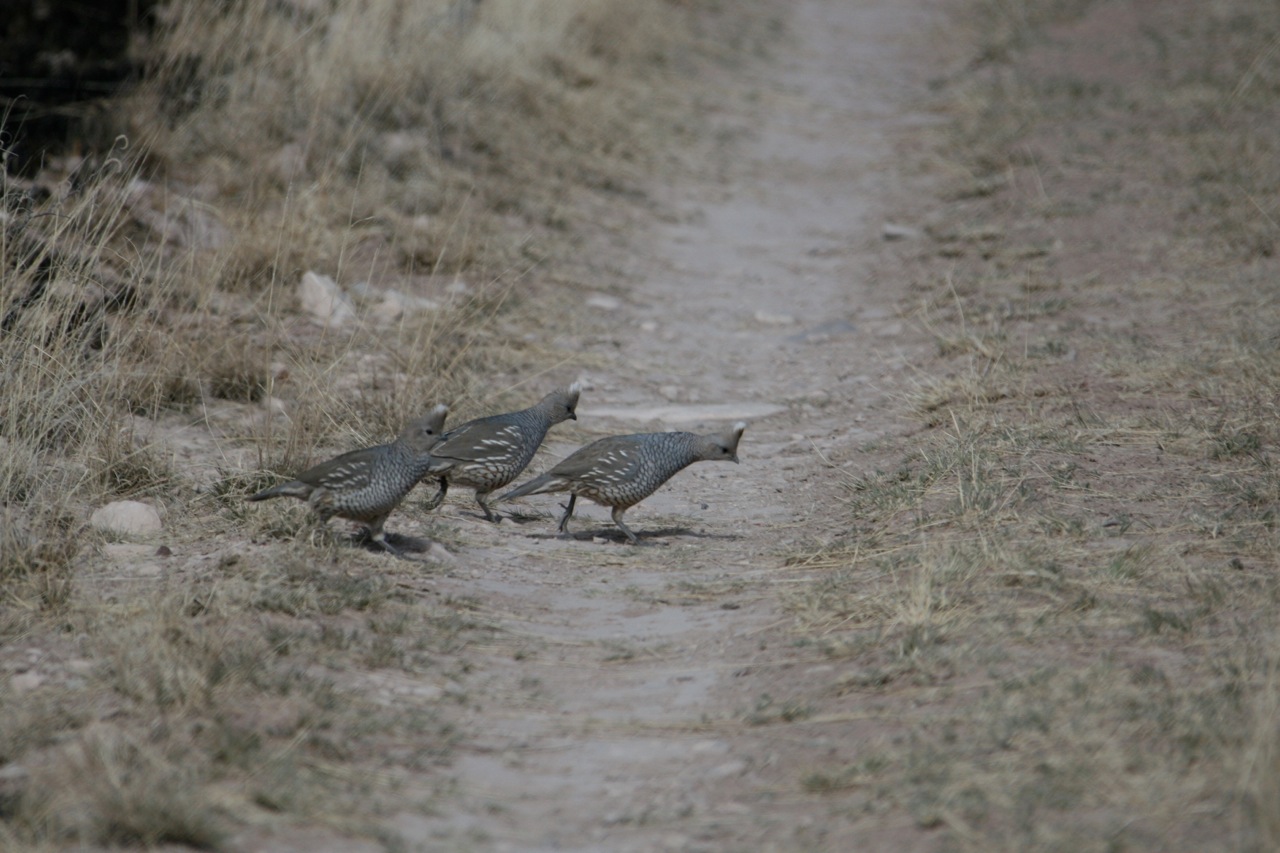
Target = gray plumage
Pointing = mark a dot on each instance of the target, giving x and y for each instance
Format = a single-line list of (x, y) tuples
[(489, 453), (366, 485), (622, 470)]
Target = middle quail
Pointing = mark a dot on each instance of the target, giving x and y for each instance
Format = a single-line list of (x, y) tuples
[(488, 453), (622, 470), (366, 485)]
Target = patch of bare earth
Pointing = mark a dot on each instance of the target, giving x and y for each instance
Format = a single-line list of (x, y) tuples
[(657, 697)]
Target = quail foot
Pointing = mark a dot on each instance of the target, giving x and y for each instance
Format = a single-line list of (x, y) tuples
[(622, 470), (366, 485), (489, 453)]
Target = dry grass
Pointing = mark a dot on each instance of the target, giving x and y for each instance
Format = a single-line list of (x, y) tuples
[(154, 349), (1072, 570), (221, 699)]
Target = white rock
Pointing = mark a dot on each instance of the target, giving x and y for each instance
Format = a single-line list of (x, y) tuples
[(290, 163), (604, 302), (457, 287), (13, 772), (677, 413), (321, 297), (893, 231), (79, 666), (391, 308), (709, 747), (769, 319), (127, 518), (729, 768), (275, 406), (395, 305), (25, 682)]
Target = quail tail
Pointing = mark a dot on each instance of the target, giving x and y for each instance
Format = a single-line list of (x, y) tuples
[(291, 489), (536, 485)]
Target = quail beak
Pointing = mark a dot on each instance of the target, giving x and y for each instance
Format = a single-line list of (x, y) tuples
[(734, 459), (573, 416)]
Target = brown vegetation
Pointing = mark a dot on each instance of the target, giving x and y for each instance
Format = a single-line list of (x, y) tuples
[(1071, 568)]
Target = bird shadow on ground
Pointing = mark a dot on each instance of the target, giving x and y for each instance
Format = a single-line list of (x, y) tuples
[(645, 537), (401, 543), (478, 516)]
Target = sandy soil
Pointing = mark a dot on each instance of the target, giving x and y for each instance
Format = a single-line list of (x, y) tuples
[(614, 709)]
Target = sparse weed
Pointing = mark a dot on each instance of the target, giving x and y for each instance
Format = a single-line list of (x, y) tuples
[(767, 711)]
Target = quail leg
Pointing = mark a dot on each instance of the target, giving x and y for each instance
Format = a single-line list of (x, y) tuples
[(438, 498), (617, 519), (381, 541), (484, 505), (376, 535), (320, 525), (568, 511)]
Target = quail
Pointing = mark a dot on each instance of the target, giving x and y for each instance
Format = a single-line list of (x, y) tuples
[(489, 453), (366, 485), (622, 470)]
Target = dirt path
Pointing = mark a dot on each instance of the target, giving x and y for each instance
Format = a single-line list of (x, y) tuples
[(613, 710)]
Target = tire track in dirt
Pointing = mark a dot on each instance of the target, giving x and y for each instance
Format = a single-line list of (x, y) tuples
[(609, 712)]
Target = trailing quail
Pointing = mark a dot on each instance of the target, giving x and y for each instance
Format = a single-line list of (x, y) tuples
[(488, 453), (366, 485), (622, 470)]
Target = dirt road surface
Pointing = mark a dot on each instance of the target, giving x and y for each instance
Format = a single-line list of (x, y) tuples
[(629, 697)]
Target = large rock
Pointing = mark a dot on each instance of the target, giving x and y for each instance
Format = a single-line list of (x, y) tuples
[(395, 305), (321, 297), (126, 518)]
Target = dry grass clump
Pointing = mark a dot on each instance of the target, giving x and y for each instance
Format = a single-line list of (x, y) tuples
[(224, 701), (411, 130), (37, 553), (1071, 571)]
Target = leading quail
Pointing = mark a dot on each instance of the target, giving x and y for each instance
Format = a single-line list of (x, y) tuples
[(622, 470), (366, 485), (488, 453)]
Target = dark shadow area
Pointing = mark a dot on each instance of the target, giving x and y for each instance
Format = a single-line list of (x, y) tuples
[(59, 60)]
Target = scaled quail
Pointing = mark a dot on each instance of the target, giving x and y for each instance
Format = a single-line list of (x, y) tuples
[(488, 453), (366, 485), (622, 470)]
